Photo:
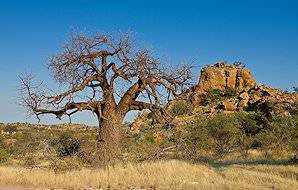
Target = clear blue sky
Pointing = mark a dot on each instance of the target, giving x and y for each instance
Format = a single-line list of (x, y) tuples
[(263, 34)]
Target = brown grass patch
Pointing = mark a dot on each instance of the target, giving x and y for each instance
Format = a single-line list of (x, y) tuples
[(157, 175)]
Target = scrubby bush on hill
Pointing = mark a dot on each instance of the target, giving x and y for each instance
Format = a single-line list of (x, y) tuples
[(218, 136), (231, 92), (180, 107), (215, 95), (224, 134), (210, 96), (188, 136), (282, 136), (3, 155), (67, 145)]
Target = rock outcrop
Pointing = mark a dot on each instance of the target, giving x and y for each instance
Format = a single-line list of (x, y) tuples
[(218, 81), (222, 76)]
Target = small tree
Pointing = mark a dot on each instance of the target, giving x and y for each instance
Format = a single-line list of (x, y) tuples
[(107, 75)]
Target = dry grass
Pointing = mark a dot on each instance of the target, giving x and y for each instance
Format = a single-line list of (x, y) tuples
[(158, 175)]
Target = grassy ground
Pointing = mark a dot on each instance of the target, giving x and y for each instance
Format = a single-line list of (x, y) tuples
[(157, 175), (65, 156)]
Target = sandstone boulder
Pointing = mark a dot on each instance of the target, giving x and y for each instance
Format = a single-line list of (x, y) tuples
[(243, 100), (222, 76), (226, 105)]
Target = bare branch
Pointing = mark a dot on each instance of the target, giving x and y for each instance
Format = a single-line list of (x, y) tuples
[(93, 67)]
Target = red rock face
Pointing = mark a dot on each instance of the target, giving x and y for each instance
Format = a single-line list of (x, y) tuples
[(221, 76)]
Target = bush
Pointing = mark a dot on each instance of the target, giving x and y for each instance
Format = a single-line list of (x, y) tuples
[(224, 132), (239, 64), (149, 139), (282, 136), (10, 129), (251, 123), (294, 110), (231, 92), (216, 136), (3, 155), (211, 95), (180, 107), (67, 145), (285, 129), (266, 108)]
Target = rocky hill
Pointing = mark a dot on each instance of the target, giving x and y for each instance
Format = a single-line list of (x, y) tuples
[(224, 88), (228, 89)]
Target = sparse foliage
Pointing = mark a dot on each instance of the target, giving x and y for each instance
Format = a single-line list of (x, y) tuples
[(295, 88), (239, 64)]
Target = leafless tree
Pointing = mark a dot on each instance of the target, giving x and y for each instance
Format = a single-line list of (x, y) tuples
[(108, 75)]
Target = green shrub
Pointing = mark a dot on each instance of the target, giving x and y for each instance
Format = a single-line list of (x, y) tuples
[(218, 136), (215, 93), (223, 134), (265, 140), (211, 95), (266, 108), (239, 64), (285, 129), (4, 156), (1, 142), (224, 131), (285, 92), (136, 136), (251, 123), (231, 92), (150, 138), (282, 136), (294, 110)]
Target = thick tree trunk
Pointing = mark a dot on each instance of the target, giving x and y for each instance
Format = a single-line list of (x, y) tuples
[(109, 136)]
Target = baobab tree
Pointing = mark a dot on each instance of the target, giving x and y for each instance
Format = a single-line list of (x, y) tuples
[(106, 74)]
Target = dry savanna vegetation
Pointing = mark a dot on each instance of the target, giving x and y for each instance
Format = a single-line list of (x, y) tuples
[(226, 133), (65, 156), (158, 175)]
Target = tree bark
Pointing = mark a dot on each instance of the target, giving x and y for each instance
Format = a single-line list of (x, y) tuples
[(109, 136)]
